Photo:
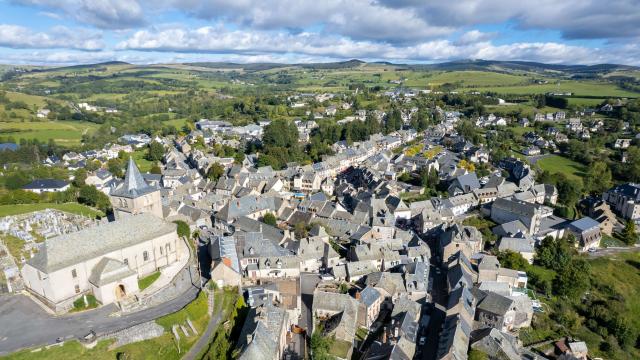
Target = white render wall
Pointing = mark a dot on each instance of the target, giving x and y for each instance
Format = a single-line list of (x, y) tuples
[(60, 285)]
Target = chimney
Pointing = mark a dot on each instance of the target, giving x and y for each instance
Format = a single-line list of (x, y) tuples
[(357, 295), (384, 335), (249, 338)]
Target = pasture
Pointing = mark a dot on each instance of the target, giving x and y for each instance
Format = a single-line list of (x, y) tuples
[(577, 88), (62, 132)]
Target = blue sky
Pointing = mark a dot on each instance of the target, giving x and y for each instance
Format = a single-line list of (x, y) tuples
[(59, 32)]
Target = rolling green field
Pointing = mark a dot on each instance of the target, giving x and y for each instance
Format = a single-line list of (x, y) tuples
[(578, 88), (74, 208), (31, 100), (558, 164), (476, 78), (63, 132)]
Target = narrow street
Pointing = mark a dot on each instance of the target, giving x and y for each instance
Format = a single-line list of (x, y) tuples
[(436, 310)]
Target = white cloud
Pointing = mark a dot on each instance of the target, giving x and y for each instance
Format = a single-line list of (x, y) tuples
[(219, 40), (19, 37), (104, 14), (474, 36)]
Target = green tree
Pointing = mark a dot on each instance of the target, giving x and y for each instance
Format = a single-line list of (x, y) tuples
[(215, 172), (598, 178), (629, 235), (512, 260), (80, 177), (92, 165), (269, 219), (321, 345), (91, 196), (115, 167), (300, 230), (553, 254), (16, 180), (155, 169), (155, 152), (183, 229), (573, 280)]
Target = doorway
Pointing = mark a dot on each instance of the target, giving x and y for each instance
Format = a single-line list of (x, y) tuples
[(120, 292)]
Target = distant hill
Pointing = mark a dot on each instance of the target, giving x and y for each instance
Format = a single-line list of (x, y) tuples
[(84, 66), (269, 66), (575, 71), (526, 66), (460, 65)]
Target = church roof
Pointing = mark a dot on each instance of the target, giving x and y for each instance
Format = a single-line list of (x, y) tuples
[(66, 250), (134, 184), (109, 270)]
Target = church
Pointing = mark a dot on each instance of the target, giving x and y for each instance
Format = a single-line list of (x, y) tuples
[(135, 196), (107, 260)]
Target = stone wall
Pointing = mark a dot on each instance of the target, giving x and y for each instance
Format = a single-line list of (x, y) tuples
[(144, 331)]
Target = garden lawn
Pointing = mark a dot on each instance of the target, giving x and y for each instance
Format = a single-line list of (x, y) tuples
[(558, 164), (146, 281)]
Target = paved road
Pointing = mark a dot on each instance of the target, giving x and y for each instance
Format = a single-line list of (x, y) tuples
[(439, 298), (24, 324), (613, 250), (204, 339)]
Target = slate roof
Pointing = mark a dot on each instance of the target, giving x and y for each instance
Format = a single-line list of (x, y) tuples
[(134, 184), (65, 250), (521, 245), (264, 325), (585, 224), (369, 296), (9, 146), (109, 270), (40, 184), (494, 303)]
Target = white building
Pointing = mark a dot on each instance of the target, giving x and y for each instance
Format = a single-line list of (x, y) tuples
[(104, 260)]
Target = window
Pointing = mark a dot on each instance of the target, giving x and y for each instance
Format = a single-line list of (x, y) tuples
[(145, 256), (169, 247), (126, 262), (77, 288), (160, 250), (74, 273)]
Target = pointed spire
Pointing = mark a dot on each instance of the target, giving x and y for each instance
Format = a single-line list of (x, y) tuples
[(134, 183)]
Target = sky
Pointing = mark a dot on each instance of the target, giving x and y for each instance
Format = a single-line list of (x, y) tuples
[(65, 32)]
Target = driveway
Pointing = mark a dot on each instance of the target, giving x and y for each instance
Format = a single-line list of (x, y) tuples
[(25, 324)]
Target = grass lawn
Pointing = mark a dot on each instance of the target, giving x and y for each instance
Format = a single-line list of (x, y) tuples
[(340, 348), (140, 158), (15, 246), (80, 305), (146, 281), (63, 132), (74, 208), (558, 164)]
